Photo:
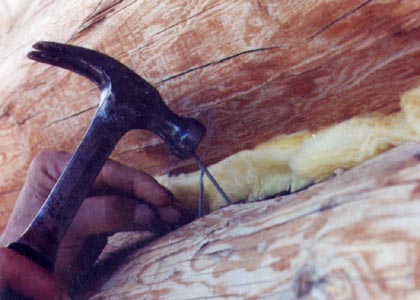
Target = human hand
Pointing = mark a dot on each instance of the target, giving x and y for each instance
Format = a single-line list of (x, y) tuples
[(26, 278), (117, 209)]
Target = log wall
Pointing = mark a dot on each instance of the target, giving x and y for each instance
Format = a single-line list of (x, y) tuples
[(248, 70)]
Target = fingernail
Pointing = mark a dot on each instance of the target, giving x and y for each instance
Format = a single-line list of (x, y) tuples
[(147, 216), (175, 215), (167, 198)]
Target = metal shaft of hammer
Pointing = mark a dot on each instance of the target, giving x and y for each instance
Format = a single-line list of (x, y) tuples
[(128, 102), (43, 237)]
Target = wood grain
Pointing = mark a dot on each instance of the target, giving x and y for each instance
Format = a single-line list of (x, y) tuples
[(249, 70), (353, 237)]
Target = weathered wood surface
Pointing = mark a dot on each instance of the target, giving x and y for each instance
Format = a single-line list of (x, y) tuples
[(248, 70), (353, 237)]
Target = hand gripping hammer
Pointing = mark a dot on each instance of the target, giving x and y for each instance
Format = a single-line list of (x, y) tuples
[(127, 102)]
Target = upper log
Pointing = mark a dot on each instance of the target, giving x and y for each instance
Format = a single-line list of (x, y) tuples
[(353, 237)]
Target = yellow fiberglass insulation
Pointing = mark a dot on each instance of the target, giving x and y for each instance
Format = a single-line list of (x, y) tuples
[(292, 162)]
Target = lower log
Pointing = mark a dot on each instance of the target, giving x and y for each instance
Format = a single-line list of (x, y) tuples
[(354, 236)]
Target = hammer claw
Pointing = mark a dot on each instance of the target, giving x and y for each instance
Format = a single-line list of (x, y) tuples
[(127, 102), (55, 54), (82, 61)]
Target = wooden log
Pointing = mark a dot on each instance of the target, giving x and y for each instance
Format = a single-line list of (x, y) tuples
[(248, 70), (353, 237)]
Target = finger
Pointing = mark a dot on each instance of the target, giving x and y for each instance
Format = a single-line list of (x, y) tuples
[(134, 182), (26, 278), (109, 214), (47, 167), (50, 164), (174, 215), (43, 173)]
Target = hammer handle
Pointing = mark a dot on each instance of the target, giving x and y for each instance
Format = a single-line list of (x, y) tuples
[(41, 240), (32, 254)]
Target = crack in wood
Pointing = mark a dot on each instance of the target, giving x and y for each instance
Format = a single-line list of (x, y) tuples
[(69, 117), (5, 113), (24, 120), (146, 44), (263, 8), (417, 156), (11, 118), (218, 62), (97, 17), (186, 20), (306, 281), (329, 25)]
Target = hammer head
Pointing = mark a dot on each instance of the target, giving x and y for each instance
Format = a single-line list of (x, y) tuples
[(127, 100)]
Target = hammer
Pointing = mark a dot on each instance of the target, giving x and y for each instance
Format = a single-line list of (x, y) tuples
[(127, 102)]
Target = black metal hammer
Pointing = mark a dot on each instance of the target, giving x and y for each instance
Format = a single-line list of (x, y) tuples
[(127, 102)]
